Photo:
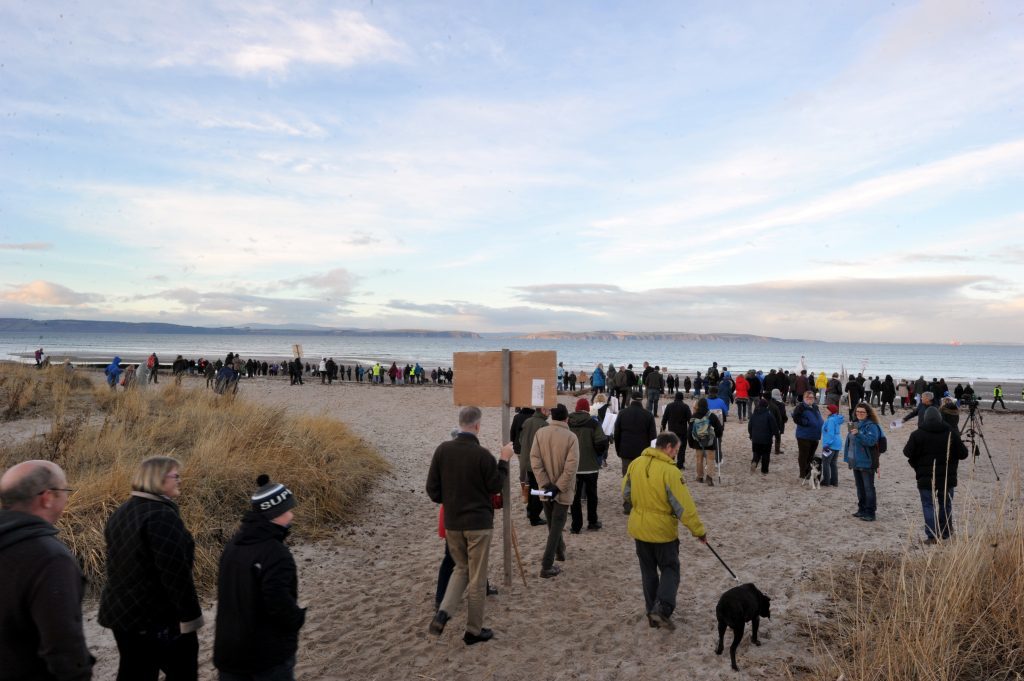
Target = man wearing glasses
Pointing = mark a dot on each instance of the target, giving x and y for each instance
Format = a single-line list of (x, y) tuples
[(41, 633)]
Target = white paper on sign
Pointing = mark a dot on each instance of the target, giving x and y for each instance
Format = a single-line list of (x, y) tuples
[(537, 395)]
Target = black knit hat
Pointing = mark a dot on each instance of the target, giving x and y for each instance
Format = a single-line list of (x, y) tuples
[(272, 498)]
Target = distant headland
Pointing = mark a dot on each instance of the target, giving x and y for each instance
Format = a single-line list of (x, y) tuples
[(10, 325), (650, 336)]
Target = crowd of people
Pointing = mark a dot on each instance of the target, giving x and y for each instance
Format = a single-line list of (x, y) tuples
[(561, 454), (149, 599)]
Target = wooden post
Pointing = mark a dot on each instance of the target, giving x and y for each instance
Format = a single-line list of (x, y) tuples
[(506, 391)]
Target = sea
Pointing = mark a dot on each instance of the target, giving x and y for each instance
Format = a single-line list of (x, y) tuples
[(967, 362)]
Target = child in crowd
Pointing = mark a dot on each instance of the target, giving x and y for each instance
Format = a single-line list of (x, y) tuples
[(831, 444)]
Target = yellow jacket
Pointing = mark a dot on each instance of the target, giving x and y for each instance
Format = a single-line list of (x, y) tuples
[(821, 381), (654, 486)]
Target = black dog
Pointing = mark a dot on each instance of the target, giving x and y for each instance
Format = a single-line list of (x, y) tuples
[(736, 607)]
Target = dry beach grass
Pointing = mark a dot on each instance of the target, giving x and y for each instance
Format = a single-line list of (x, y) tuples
[(832, 578), (222, 443)]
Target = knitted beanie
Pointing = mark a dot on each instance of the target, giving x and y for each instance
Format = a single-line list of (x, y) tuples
[(272, 498), (582, 404)]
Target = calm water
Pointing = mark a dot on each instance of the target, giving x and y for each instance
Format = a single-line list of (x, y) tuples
[(965, 362)]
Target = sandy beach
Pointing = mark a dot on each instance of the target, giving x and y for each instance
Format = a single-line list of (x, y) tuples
[(370, 589)]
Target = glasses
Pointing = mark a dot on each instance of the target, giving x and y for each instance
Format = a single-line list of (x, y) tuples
[(69, 490), (860, 411), (175, 476)]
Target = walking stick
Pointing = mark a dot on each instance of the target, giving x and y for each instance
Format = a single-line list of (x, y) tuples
[(721, 561), (515, 546)]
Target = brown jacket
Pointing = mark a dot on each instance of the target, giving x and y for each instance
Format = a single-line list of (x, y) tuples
[(554, 457)]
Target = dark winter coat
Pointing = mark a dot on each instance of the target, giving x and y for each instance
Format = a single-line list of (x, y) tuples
[(149, 568), (778, 410), (676, 417), (634, 430), (41, 635), (517, 427), (593, 441), (762, 427), (926, 452), (463, 476), (258, 616)]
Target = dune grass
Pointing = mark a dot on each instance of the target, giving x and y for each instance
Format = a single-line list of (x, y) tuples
[(223, 444), (945, 612), (28, 391)]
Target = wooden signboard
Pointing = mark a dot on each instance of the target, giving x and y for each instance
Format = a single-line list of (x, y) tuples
[(478, 378), (505, 378)]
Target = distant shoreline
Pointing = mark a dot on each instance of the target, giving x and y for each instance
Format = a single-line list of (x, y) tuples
[(983, 387)]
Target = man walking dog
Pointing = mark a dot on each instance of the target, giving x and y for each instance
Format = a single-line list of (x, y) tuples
[(659, 502)]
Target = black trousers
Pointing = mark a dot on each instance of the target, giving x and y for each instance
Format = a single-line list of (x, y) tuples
[(806, 450), (762, 455), (533, 504), (585, 482), (144, 656), (659, 589)]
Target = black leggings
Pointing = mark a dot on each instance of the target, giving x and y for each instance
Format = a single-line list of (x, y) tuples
[(741, 406)]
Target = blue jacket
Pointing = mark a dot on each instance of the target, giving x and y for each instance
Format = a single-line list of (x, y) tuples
[(718, 403), (113, 370), (857, 451), (832, 432), (808, 422), (597, 378)]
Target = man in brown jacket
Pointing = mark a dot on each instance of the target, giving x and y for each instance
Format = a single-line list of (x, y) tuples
[(554, 458)]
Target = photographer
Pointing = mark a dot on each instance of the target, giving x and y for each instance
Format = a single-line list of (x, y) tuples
[(934, 450)]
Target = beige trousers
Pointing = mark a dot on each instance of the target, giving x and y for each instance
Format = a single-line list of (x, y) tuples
[(707, 456), (469, 549)]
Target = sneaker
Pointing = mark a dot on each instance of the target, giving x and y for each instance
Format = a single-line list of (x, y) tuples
[(552, 571), (594, 526), (868, 518), (437, 624), (857, 514), (484, 635), (664, 621)]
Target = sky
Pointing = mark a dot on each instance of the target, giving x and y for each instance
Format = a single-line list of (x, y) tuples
[(837, 171)]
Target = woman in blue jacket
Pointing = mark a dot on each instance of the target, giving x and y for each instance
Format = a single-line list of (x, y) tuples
[(864, 435), (808, 431)]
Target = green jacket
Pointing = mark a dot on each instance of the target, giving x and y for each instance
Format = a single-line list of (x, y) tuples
[(660, 499), (592, 439)]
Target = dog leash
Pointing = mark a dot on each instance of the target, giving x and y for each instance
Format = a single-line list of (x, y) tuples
[(721, 561)]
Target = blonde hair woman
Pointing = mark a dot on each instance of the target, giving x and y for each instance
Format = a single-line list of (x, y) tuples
[(149, 600)]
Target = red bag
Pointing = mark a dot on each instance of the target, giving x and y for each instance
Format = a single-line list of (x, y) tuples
[(497, 502)]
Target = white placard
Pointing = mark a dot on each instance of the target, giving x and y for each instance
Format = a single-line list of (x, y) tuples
[(537, 393)]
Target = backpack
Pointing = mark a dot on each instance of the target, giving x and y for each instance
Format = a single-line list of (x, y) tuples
[(703, 432), (150, 362)]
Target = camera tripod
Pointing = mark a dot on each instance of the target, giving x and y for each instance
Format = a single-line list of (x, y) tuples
[(971, 432)]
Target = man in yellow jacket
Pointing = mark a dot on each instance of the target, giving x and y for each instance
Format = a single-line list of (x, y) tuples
[(660, 499)]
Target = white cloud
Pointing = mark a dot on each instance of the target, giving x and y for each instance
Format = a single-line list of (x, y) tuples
[(46, 293), (268, 40)]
